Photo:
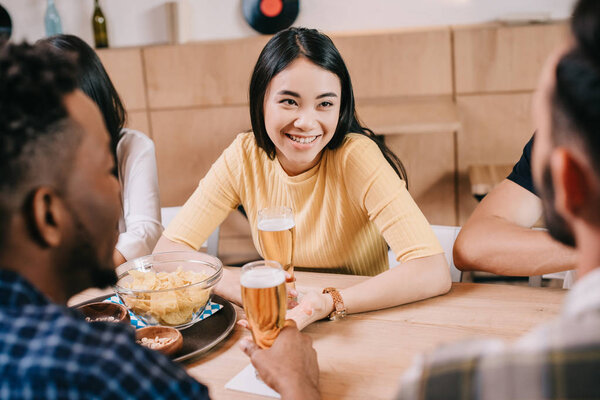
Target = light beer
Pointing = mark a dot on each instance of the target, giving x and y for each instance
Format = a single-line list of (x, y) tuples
[(276, 238), (265, 300)]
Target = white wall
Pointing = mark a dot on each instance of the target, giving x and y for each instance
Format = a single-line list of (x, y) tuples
[(142, 22)]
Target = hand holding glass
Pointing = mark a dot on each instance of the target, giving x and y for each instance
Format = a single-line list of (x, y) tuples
[(265, 300)]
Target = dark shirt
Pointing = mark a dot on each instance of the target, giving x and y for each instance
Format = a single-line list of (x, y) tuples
[(521, 173), (49, 351)]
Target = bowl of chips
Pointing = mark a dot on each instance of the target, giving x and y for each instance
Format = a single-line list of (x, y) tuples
[(169, 289)]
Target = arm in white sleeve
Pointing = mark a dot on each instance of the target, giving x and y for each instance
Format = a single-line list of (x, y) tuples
[(140, 225)]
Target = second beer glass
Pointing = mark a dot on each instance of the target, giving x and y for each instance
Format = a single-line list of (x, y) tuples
[(276, 237), (265, 300)]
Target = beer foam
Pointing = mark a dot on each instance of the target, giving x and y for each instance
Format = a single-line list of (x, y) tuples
[(276, 225), (260, 278)]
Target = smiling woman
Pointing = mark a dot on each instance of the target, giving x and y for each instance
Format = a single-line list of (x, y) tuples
[(297, 63), (301, 114), (308, 151)]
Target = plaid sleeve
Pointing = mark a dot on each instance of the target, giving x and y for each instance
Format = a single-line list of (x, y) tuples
[(491, 372), (119, 368), (448, 373), (49, 352)]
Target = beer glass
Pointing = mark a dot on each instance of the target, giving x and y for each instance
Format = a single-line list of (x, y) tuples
[(265, 300), (276, 237)]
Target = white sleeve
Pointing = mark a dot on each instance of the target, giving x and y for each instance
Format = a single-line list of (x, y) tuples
[(141, 202)]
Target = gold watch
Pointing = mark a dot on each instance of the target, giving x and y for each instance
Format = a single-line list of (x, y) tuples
[(339, 311)]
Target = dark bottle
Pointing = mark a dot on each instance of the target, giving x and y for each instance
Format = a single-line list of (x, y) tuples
[(99, 24)]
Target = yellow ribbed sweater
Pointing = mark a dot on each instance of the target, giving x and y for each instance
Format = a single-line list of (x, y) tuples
[(342, 206)]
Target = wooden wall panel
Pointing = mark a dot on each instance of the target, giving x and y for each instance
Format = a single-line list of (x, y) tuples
[(138, 120), (188, 142), (201, 74), (495, 128), (398, 63), (428, 114), (503, 58), (390, 64), (429, 161), (197, 102), (124, 66)]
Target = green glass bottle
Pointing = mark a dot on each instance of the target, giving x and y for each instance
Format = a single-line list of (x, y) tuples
[(99, 24)]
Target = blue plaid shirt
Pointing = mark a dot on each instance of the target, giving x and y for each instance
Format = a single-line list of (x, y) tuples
[(50, 352)]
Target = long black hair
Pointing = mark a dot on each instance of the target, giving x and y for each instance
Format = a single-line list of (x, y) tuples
[(93, 80), (278, 53)]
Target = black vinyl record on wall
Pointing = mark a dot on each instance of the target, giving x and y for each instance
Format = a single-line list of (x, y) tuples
[(5, 24), (270, 16)]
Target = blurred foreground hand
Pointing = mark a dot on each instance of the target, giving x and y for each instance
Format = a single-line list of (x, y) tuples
[(290, 366)]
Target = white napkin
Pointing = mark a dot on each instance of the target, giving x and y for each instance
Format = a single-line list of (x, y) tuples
[(246, 381)]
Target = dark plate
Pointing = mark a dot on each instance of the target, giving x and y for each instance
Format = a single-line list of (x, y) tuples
[(203, 335)]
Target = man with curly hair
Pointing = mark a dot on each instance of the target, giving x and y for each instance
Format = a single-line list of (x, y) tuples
[(59, 207)]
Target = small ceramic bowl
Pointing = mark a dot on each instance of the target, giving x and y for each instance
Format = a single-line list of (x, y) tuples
[(110, 312), (165, 339)]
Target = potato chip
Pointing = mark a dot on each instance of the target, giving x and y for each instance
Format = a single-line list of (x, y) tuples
[(173, 307)]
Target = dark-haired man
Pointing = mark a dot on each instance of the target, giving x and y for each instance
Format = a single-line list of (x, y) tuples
[(560, 360), (59, 207)]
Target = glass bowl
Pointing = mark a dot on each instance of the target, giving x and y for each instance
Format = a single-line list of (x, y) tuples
[(170, 289)]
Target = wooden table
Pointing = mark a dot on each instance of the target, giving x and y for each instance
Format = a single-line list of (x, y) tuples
[(364, 355)]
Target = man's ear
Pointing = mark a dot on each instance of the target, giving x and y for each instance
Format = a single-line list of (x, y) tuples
[(571, 182), (47, 216)]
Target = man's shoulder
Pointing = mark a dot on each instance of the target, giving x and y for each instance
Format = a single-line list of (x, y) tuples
[(52, 349), (531, 368), (521, 172), (59, 335)]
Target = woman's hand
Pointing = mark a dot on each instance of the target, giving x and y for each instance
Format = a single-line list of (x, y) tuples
[(230, 289), (292, 298), (313, 306)]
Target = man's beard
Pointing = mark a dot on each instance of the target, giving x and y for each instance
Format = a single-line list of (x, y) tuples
[(556, 224), (84, 268)]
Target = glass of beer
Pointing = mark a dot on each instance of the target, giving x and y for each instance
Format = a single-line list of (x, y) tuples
[(276, 237), (265, 300)]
